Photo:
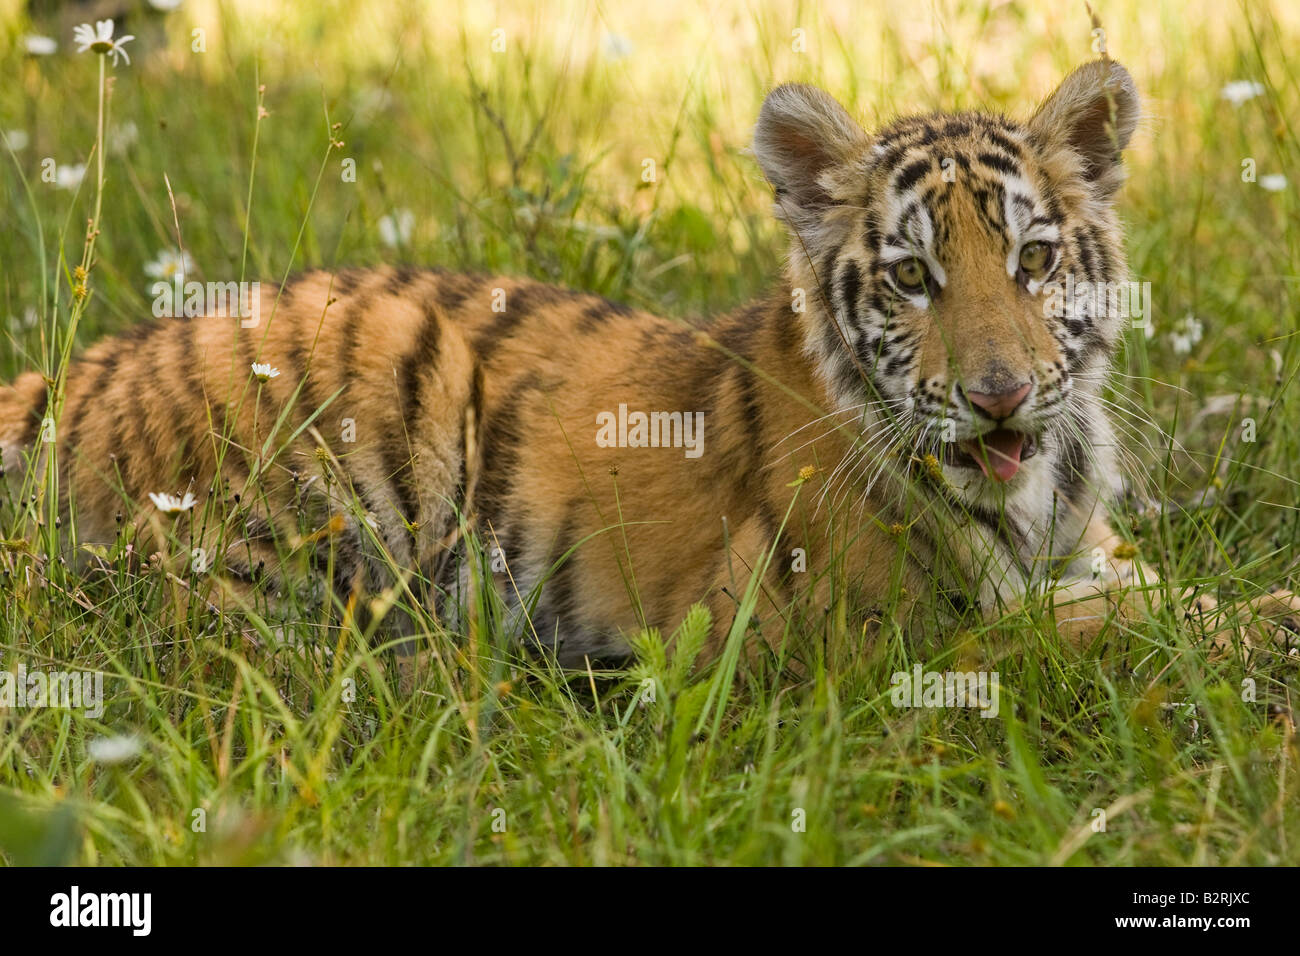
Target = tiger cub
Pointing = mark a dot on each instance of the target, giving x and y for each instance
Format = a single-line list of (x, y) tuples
[(903, 430)]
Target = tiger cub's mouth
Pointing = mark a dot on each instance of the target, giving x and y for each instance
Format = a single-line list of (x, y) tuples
[(998, 453)]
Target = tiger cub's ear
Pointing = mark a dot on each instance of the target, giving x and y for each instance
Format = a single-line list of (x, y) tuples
[(1093, 112), (802, 135)]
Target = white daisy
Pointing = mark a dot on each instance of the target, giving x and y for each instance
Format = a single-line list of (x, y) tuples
[(371, 102), (111, 750), (171, 504), (99, 39), (171, 265), (264, 371), (616, 46), (395, 230), (16, 138), (1273, 182), (1238, 91), (122, 137), (69, 177), (1187, 332), (39, 45)]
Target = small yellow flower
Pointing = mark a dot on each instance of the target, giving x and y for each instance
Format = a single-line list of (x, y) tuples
[(1004, 810), (933, 468), (896, 529), (1125, 551)]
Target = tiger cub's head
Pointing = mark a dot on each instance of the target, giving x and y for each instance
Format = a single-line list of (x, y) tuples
[(942, 258)]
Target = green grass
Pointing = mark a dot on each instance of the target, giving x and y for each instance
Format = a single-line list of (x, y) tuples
[(530, 161)]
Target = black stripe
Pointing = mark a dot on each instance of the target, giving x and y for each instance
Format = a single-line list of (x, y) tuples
[(1003, 164), (396, 454), (401, 277), (502, 437), (786, 324), (751, 412), (911, 174), (422, 356), (925, 135), (850, 286), (956, 127), (476, 406), (521, 302), (599, 313), (347, 280), (454, 289), (412, 375), (1003, 143), (107, 369), (182, 454), (37, 416), (826, 273), (561, 605), (1071, 468), (290, 289), (1086, 257), (1105, 265), (871, 232), (352, 319), (300, 362)]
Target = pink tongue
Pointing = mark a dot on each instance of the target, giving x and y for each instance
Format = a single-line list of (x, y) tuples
[(1002, 451)]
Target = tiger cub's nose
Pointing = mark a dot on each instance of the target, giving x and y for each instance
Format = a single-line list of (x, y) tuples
[(998, 405)]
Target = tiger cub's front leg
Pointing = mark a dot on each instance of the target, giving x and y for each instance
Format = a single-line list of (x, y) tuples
[(1124, 588)]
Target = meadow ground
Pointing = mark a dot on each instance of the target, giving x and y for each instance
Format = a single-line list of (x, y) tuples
[(528, 151)]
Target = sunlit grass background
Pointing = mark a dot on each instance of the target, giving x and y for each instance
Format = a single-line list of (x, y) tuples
[(531, 160)]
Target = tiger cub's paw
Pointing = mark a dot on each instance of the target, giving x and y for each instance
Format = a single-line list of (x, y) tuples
[(1269, 624)]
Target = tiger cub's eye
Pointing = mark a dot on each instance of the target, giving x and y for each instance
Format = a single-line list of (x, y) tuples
[(1035, 257), (911, 275)]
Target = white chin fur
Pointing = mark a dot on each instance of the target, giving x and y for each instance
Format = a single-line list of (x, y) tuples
[(1028, 491)]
